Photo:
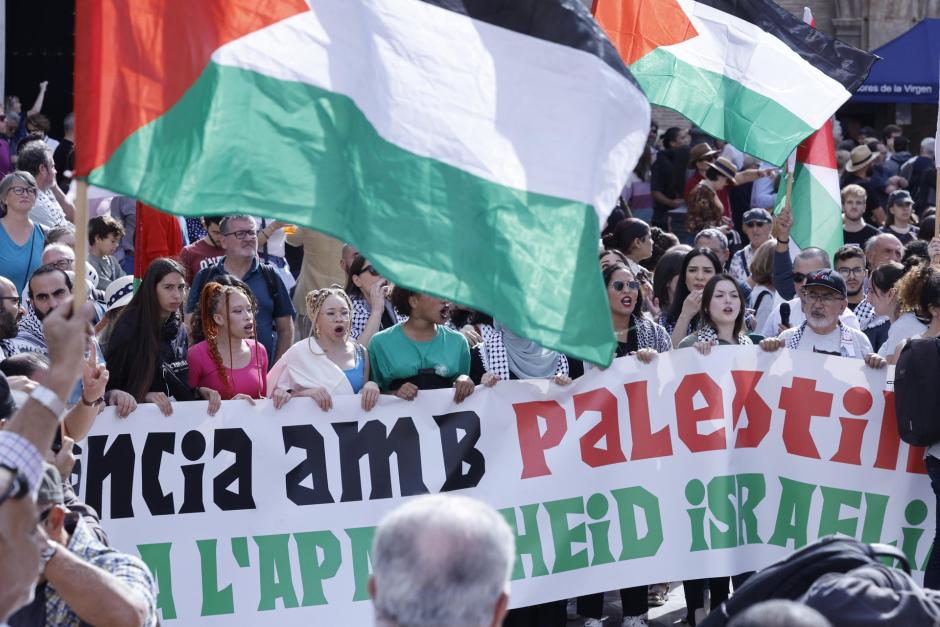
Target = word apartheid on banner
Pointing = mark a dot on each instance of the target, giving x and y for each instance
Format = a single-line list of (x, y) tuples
[(685, 468)]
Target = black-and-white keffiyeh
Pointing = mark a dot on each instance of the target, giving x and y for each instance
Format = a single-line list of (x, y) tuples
[(651, 335), (30, 338), (361, 311), (708, 334), (495, 359), (867, 318), (845, 338)]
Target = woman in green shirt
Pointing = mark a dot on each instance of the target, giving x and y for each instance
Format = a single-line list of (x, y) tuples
[(420, 353)]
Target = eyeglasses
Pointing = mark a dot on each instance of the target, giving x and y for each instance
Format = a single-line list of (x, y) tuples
[(850, 271), (62, 264), (370, 270), (240, 235), (798, 277), (23, 191), (816, 297), (619, 285)]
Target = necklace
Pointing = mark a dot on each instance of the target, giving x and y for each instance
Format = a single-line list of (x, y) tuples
[(624, 334)]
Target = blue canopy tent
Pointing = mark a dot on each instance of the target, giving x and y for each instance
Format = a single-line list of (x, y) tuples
[(909, 69)]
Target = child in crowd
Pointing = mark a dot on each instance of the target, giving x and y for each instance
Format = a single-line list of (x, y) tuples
[(104, 233)]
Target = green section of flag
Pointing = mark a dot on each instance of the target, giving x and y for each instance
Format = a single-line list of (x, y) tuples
[(721, 106), (817, 217), (243, 142)]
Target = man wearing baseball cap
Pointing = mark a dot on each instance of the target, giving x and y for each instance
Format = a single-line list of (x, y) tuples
[(824, 296), (757, 224), (900, 208)]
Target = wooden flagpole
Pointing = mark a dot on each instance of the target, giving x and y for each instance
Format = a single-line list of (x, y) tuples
[(80, 290)]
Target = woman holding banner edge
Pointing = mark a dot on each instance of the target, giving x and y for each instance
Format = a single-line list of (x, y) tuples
[(327, 363), (420, 353), (640, 337), (721, 322)]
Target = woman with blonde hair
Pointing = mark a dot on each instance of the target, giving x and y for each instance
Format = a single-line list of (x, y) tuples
[(328, 362), (230, 360)]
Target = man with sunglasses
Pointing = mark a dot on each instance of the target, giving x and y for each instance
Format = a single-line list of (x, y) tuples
[(822, 298), (83, 581), (757, 225), (275, 315)]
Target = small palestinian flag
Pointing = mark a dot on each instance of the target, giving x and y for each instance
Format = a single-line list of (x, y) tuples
[(817, 202), (470, 149), (746, 71)]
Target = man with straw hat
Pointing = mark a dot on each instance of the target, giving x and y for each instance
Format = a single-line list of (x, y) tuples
[(858, 171)]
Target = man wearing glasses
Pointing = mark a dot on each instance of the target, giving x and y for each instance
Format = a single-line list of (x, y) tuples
[(789, 313), (823, 297), (52, 208), (275, 315)]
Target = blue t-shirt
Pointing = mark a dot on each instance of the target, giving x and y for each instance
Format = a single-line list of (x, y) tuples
[(357, 374), (17, 263), (269, 305)]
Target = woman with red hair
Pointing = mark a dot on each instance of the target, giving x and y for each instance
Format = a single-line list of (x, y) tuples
[(230, 360)]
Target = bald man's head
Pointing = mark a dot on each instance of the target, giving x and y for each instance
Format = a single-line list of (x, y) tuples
[(7, 288), (10, 310)]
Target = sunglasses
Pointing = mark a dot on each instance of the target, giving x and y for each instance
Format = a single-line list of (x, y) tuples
[(798, 277), (619, 285), (753, 224), (370, 270)]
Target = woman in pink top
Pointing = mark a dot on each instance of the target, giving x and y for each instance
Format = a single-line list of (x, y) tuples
[(229, 361)]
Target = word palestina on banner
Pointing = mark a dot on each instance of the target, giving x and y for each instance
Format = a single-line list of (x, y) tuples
[(684, 468)]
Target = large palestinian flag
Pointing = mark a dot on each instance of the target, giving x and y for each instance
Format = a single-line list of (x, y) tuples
[(745, 71), (471, 149)]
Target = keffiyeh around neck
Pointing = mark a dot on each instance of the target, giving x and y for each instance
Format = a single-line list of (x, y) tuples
[(708, 334), (526, 359), (30, 338)]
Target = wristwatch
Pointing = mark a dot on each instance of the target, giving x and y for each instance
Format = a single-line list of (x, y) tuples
[(48, 399)]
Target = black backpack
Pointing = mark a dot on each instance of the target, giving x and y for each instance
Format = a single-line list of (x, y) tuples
[(916, 393), (873, 596), (793, 576)]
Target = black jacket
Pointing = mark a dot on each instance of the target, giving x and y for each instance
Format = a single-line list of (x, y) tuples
[(171, 372)]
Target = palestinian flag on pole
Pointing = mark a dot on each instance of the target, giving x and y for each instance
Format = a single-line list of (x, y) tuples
[(745, 71), (817, 198), (470, 150)]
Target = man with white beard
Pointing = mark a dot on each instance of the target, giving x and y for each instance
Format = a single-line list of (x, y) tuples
[(824, 296)]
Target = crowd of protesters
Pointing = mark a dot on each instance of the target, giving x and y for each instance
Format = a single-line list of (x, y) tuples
[(229, 308)]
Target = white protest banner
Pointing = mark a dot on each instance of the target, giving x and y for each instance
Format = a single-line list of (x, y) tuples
[(685, 468)]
